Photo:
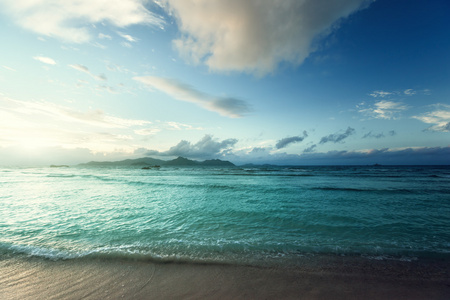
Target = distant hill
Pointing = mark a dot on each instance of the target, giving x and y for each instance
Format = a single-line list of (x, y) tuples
[(149, 161)]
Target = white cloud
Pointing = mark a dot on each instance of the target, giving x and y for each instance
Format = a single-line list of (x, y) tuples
[(254, 36), (45, 60), (409, 92), (147, 131), (207, 147), (226, 106), (440, 118), (68, 20), (127, 37), (9, 68), (104, 36), (384, 109), (380, 94), (126, 45)]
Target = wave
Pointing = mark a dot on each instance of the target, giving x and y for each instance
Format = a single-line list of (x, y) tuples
[(247, 257)]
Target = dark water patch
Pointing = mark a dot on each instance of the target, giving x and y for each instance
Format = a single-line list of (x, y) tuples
[(61, 175)]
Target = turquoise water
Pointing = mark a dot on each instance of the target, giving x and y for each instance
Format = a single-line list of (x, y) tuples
[(225, 215)]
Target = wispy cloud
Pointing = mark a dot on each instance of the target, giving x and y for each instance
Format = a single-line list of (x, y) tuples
[(440, 118), (380, 94), (45, 60), (86, 70), (226, 106), (44, 124), (254, 36), (409, 92), (67, 20), (380, 135), (9, 68), (384, 109), (127, 37), (26, 109), (389, 94), (373, 135), (103, 36), (147, 131), (283, 143), (337, 137)]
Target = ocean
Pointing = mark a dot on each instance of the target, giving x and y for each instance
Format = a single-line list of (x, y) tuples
[(236, 215)]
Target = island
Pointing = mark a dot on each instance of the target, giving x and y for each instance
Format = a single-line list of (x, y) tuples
[(148, 163)]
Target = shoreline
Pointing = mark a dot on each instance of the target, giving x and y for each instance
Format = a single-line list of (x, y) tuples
[(325, 277)]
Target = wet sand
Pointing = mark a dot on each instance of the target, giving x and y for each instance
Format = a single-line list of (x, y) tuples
[(324, 278)]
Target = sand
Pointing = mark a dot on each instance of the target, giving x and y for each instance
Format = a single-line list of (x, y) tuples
[(322, 278)]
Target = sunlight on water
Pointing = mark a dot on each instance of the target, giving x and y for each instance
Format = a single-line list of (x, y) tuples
[(223, 214)]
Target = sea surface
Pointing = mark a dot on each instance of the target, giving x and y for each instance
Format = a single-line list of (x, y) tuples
[(237, 215)]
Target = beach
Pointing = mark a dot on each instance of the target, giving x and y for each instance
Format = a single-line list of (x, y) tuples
[(324, 278), (225, 233)]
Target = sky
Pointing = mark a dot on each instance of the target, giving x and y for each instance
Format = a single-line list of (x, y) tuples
[(288, 82)]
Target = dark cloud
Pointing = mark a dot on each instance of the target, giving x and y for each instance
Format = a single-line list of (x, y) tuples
[(446, 127), (258, 150), (407, 156), (385, 156), (371, 135), (310, 149), (289, 140), (337, 137), (207, 147)]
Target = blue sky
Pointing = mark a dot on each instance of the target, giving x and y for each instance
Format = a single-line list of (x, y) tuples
[(283, 82)]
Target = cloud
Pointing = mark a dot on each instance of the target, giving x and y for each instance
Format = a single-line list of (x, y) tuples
[(225, 106), (127, 37), (380, 94), (439, 117), (289, 140), (9, 68), (254, 36), (337, 137), (36, 125), (384, 109), (409, 92), (45, 60), (399, 156), (103, 36), (310, 149), (69, 20), (25, 112), (16, 156), (258, 150), (388, 156), (371, 135), (207, 147), (147, 131), (85, 69)]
